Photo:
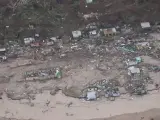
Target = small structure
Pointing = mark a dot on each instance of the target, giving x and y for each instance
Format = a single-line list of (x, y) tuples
[(133, 70), (89, 1), (91, 95), (3, 54), (36, 35), (76, 34), (2, 51), (110, 31), (49, 43), (145, 25), (28, 41), (93, 32), (138, 59)]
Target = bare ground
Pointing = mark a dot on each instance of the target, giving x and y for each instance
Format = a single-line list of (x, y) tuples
[(153, 114)]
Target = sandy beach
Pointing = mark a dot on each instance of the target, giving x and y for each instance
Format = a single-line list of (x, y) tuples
[(58, 107)]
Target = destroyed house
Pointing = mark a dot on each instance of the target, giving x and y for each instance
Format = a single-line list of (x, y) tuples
[(109, 31), (134, 73), (2, 51)]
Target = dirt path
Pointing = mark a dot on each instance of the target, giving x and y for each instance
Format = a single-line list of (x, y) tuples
[(79, 110)]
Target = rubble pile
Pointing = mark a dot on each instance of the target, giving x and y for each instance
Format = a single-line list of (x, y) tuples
[(43, 74), (14, 49), (153, 68), (107, 44), (138, 87), (138, 77), (102, 88)]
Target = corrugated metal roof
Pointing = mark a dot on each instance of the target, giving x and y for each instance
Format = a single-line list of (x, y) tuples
[(145, 25), (91, 95), (2, 49)]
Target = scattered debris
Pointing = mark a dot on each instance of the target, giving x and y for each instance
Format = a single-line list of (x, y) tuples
[(49, 43), (72, 92), (137, 87), (42, 74), (154, 68), (127, 48), (141, 45), (131, 63), (123, 41), (112, 93), (91, 15), (35, 44), (103, 88)]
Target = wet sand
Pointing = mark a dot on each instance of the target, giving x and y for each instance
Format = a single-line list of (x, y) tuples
[(58, 109)]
